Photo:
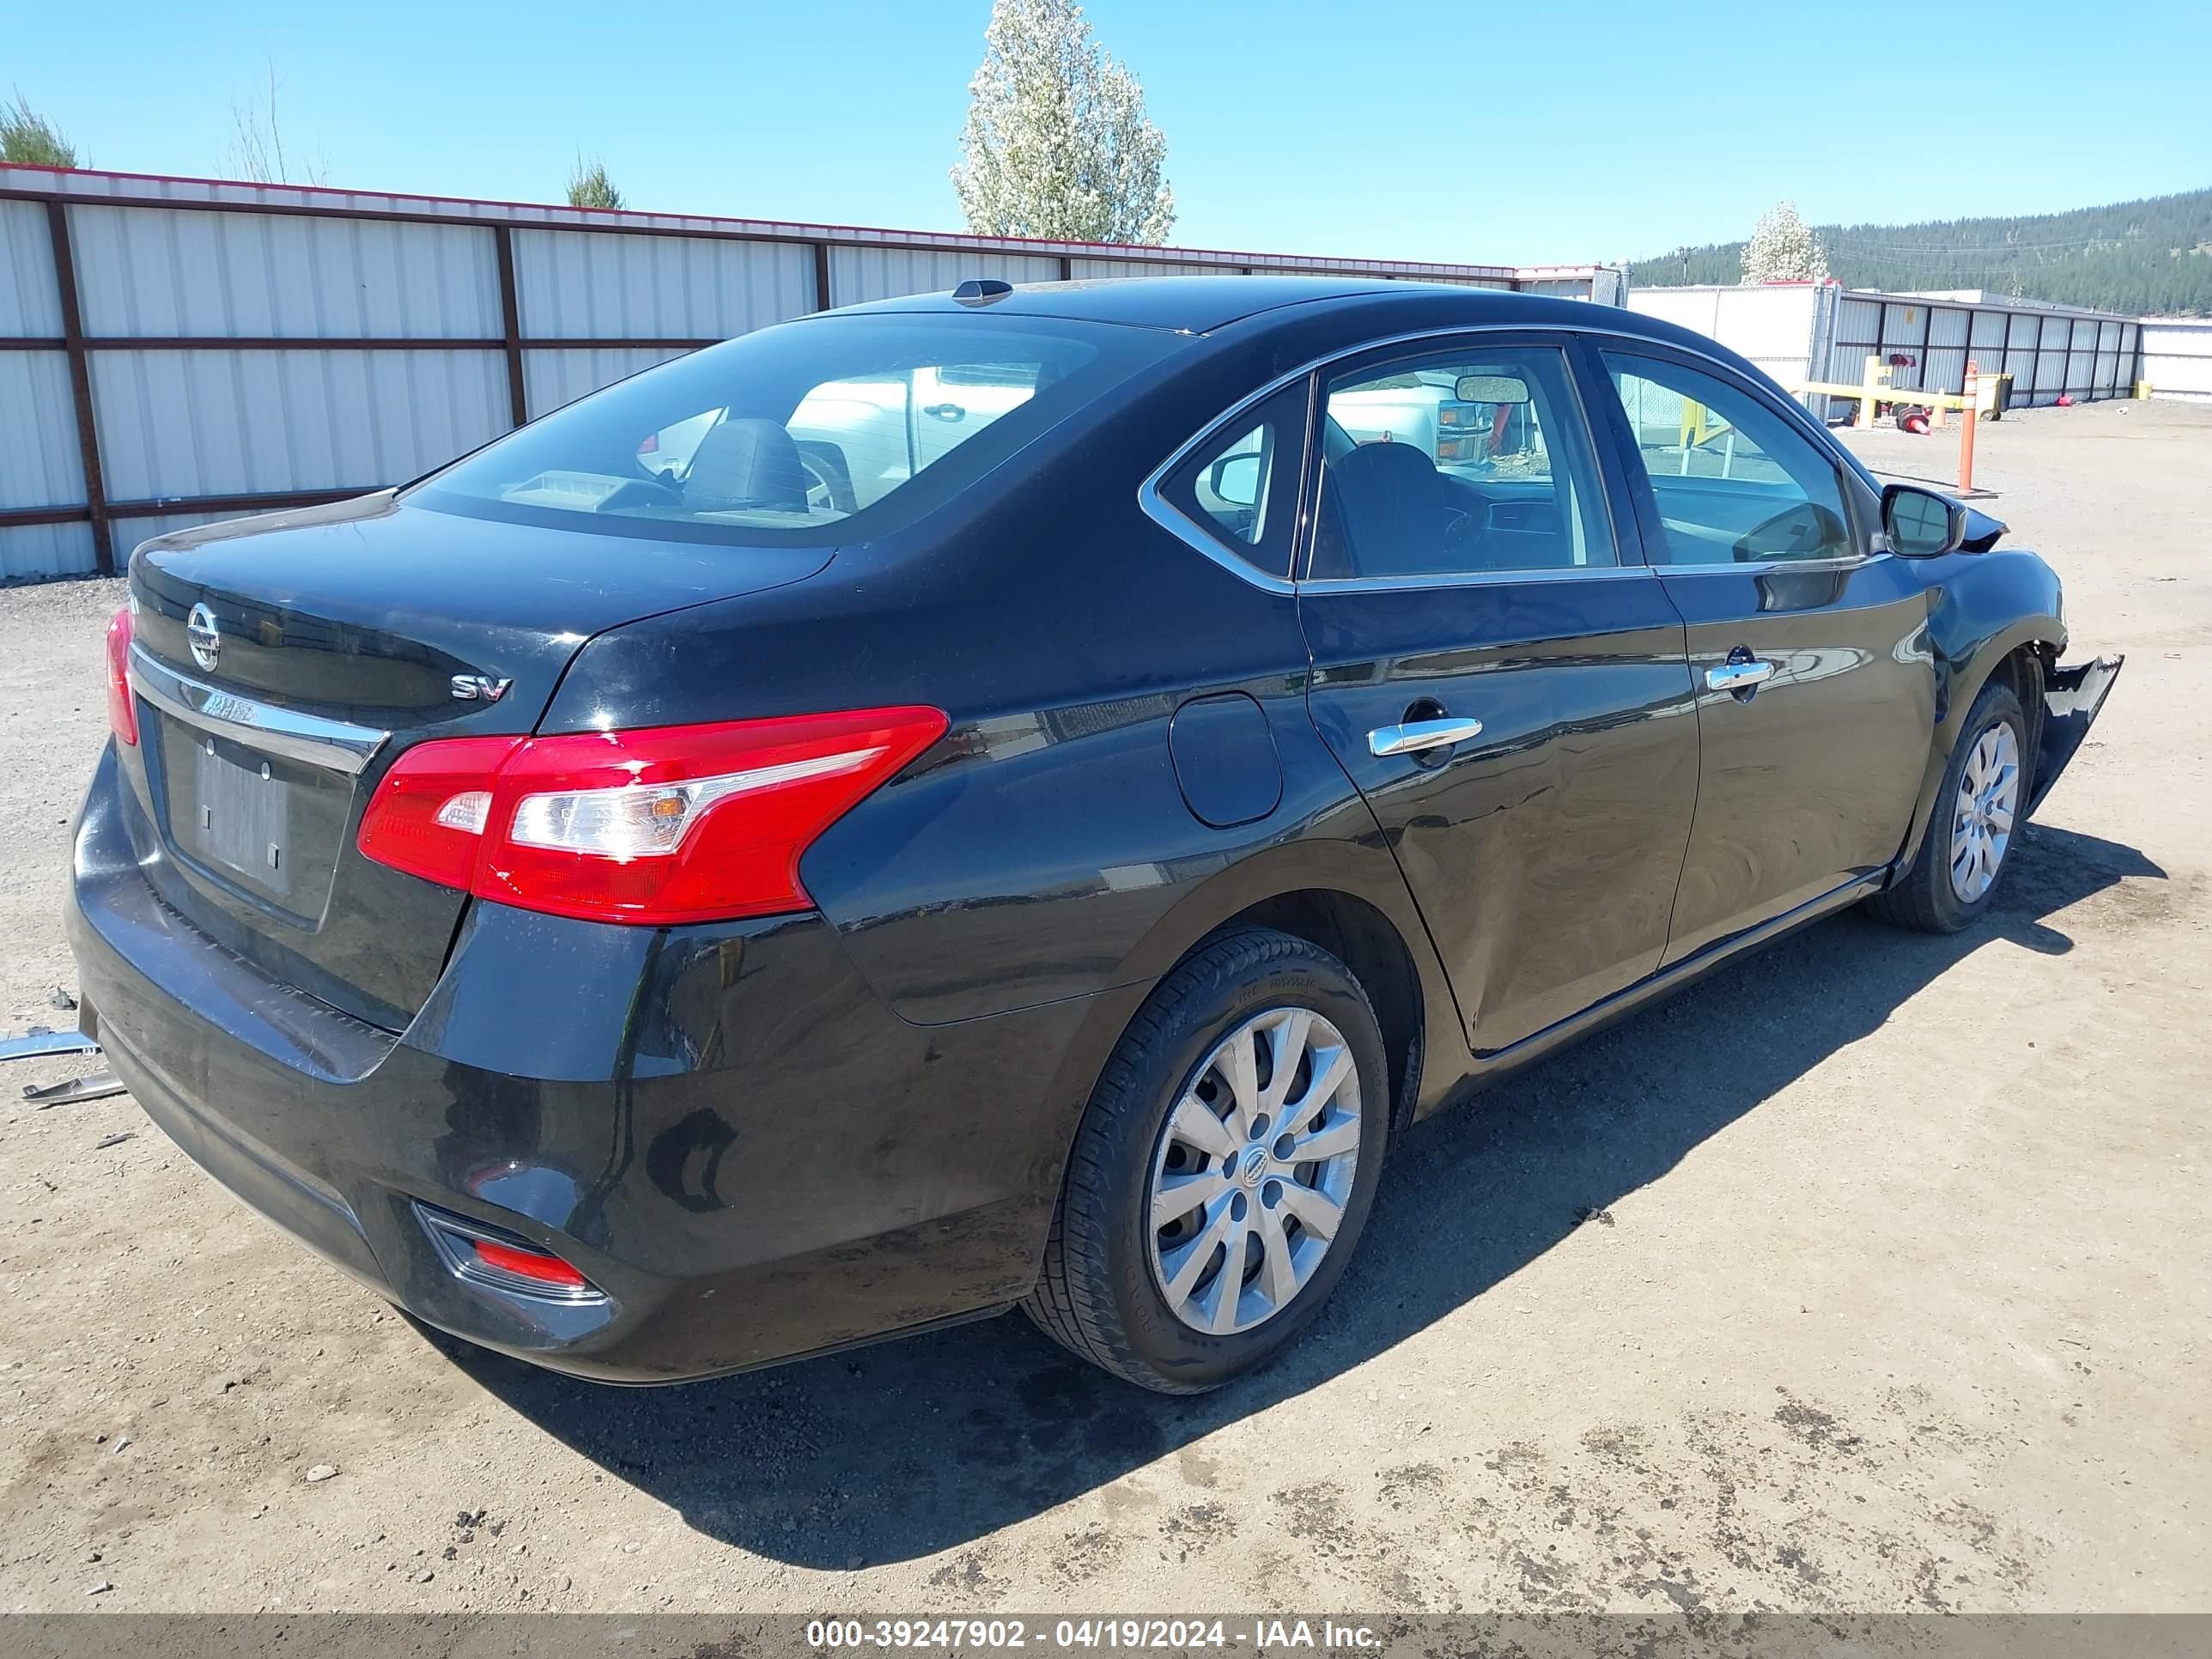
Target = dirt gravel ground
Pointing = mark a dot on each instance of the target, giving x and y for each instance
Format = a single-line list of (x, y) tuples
[(1898, 1298)]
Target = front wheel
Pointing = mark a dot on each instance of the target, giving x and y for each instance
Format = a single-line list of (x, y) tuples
[(1223, 1169), (1971, 827)]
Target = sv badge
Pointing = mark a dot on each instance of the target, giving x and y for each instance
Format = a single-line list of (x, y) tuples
[(479, 688)]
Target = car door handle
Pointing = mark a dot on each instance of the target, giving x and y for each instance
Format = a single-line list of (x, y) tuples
[(945, 411), (1739, 676), (1414, 736)]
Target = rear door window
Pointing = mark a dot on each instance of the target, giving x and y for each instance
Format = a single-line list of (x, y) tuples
[(1464, 460)]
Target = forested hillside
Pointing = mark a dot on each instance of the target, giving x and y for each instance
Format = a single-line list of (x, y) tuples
[(2149, 257)]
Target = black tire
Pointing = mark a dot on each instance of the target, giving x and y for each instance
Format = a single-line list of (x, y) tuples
[(1098, 1296), (1923, 898)]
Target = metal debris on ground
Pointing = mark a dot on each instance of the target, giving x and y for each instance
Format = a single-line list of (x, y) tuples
[(39, 1040), (93, 1085), (114, 1140)]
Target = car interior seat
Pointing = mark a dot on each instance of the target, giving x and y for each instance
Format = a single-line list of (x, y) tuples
[(1397, 514), (747, 463)]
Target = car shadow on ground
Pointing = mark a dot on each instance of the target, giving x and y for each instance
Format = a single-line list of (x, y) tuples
[(919, 1446)]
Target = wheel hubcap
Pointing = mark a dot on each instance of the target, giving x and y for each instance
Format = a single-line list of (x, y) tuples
[(1982, 814), (1252, 1171)]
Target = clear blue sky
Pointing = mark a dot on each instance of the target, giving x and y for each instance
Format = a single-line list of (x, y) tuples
[(1536, 131)]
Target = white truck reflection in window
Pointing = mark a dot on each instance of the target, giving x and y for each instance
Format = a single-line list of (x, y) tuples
[(1430, 409), (860, 438)]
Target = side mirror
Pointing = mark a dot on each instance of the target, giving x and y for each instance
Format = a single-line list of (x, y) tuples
[(1235, 479), (1920, 524)]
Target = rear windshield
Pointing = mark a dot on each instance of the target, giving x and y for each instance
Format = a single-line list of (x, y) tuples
[(836, 429)]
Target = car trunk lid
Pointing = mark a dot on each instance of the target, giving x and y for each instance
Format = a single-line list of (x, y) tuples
[(281, 664)]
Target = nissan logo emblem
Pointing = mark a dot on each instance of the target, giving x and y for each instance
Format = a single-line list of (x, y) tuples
[(204, 636)]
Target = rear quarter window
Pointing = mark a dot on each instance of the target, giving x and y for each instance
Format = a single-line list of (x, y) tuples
[(1235, 492)]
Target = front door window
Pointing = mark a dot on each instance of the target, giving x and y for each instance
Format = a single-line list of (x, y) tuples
[(1734, 484)]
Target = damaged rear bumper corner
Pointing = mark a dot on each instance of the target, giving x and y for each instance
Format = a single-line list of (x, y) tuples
[(2072, 695)]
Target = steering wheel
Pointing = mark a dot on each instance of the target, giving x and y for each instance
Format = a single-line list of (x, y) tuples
[(1803, 530), (1461, 540)]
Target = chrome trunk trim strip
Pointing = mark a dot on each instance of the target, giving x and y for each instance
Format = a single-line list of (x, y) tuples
[(336, 745)]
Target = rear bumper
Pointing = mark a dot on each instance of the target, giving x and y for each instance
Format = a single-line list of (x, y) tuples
[(721, 1126)]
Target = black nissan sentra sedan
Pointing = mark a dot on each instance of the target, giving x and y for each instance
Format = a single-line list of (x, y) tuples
[(1014, 797)]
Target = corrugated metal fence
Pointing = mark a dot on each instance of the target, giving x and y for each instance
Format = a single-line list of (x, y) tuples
[(1823, 332), (176, 350), (2048, 351)]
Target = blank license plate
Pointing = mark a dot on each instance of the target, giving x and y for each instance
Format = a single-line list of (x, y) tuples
[(241, 818)]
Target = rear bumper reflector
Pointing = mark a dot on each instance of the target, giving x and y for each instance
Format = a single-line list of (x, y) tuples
[(499, 1260)]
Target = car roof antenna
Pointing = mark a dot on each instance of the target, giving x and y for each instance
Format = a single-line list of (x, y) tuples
[(981, 290)]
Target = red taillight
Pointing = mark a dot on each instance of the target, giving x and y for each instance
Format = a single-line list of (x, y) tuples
[(404, 826), (534, 1265), (122, 710), (671, 824)]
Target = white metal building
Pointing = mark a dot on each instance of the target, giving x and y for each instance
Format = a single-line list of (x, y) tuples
[(1825, 332), (173, 350), (2177, 357)]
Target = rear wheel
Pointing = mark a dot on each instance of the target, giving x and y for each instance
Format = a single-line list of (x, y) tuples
[(1964, 854), (1224, 1170)]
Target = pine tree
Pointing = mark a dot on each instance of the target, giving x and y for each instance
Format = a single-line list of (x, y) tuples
[(1057, 143), (589, 186)]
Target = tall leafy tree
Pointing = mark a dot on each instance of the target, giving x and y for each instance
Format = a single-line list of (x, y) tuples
[(28, 138), (1782, 249), (1057, 143), (589, 185)]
